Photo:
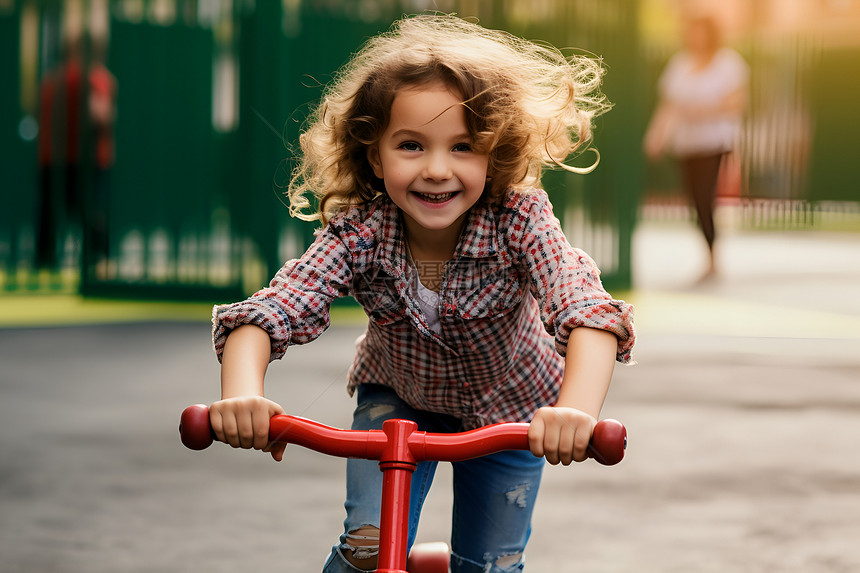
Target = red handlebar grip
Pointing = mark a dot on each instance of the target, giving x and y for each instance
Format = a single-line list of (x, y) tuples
[(194, 428), (608, 442)]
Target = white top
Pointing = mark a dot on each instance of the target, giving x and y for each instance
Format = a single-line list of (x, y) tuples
[(684, 86), (428, 300)]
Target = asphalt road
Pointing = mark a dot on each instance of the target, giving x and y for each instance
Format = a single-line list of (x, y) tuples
[(743, 453)]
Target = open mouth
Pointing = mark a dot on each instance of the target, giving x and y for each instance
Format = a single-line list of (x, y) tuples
[(436, 197)]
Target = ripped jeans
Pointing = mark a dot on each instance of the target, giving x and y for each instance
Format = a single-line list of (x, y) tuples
[(493, 496)]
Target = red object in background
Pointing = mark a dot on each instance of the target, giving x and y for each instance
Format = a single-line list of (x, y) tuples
[(64, 82), (103, 90), (399, 446), (63, 117)]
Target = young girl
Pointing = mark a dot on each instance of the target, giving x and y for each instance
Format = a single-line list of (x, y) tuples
[(425, 157)]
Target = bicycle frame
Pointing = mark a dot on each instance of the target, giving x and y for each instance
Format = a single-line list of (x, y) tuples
[(398, 447)]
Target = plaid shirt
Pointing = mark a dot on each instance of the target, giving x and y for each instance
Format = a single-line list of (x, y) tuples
[(509, 299)]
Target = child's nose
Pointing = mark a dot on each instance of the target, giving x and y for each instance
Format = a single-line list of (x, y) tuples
[(437, 168)]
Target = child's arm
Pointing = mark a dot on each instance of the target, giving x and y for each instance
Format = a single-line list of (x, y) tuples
[(241, 417), (562, 432)]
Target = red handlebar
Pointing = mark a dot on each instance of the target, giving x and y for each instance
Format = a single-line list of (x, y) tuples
[(607, 446)]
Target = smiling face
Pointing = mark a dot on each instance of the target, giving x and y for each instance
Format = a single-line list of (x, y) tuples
[(426, 158)]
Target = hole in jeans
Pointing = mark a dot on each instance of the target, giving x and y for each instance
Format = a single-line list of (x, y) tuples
[(508, 561), (519, 495), (361, 547)]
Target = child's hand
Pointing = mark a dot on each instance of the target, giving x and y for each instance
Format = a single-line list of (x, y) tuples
[(243, 422), (561, 434)]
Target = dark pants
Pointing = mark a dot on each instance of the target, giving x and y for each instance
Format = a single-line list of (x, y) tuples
[(700, 175), (59, 207)]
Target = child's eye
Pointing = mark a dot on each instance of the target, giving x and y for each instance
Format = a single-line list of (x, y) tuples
[(410, 146), (462, 147)]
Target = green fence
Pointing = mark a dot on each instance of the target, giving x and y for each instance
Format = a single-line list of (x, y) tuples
[(18, 159), (210, 95), (205, 107), (799, 128)]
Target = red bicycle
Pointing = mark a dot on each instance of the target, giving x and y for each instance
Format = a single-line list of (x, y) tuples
[(398, 447)]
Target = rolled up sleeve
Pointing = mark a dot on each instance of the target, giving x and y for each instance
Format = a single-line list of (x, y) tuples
[(294, 308), (566, 282)]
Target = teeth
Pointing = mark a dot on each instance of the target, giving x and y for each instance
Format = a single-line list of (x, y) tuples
[(436, 197)]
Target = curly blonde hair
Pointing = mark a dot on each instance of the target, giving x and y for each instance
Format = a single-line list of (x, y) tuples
[(527, 107)]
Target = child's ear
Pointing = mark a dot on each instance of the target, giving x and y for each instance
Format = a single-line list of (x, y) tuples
[(374, 160)]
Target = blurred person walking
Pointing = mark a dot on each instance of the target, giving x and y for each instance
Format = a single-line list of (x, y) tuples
[(76, 117), (702, 95), (58, 152)]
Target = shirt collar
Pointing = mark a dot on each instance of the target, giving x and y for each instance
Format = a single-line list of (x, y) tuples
[(392, 248), (478, 240)]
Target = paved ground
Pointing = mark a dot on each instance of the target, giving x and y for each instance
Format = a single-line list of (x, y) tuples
[(742, 413)]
